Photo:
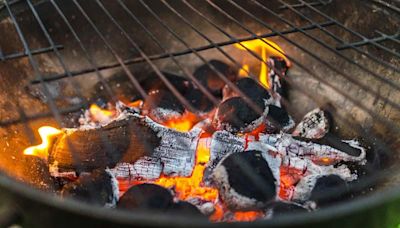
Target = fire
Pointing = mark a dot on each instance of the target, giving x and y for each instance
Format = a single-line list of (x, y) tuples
[(265, 49), (101, 115), (46, 134), (184, 123), (192, 187)]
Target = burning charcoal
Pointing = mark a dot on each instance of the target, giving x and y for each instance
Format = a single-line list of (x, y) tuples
[(185, 208), (278, 120), (251, 88), (200, 101), (245, 181), (278, 68), (314, 125), (329, 189), (99, 187), (210, 79), (126, 139), (146, 196), (235, 115), (162, 106), (276, 209), (153, 82)]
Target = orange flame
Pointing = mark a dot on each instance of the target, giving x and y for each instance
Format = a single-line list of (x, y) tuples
[(184, 123), (101, 115), (46, 134), (266, 49)]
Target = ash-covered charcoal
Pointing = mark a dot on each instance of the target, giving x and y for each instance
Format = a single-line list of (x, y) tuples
[(278, 119), (185, 208), (146, 168), (210, 79), (245, 181), (147, 197), (314, 125), (280, 208), (236, 115), (99, 187), (162, 105), (329, 189)]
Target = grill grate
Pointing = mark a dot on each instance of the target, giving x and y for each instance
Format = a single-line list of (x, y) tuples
[(316, 26)]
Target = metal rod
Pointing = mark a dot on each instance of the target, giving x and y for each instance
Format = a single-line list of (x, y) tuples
[(34, 52), (175, 54), (368, 41)]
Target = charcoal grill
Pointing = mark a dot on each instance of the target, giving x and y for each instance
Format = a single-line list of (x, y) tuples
[(345, 54)]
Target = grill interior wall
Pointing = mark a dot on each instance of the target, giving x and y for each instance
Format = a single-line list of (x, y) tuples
[(356, 15)]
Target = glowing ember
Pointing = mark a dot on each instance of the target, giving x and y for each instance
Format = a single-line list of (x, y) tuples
[(265, 49), (184, 123), (100, 115), (46, 134)]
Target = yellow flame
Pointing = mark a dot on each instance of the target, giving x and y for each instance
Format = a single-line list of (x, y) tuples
[(46, 134), (266, 49)]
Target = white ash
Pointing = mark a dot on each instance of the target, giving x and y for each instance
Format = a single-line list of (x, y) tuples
[(287, 146), (314, 125), (146, 168), (162, 114), (115, 190), (177, 150), (229, 195), (205, 207)]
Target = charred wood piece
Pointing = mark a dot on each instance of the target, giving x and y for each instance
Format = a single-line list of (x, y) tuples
[(99, 187), (245, 181), (314, 125), (125, 139), (251, 88), (146, 197)]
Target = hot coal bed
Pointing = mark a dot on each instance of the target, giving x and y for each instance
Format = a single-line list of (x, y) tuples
[(242, 159)]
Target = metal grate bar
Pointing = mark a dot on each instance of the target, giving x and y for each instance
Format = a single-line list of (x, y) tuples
[(376, 44), (24, 54), (179, 53), (338, 90), (302, 5), (387, 5), (381, 38)]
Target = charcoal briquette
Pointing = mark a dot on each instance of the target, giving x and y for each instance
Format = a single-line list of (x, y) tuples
[(329, 189)]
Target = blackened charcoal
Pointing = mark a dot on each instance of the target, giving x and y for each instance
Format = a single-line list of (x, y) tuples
[(245, 181), (314, 125), (200, 101), (98, 187), (329, 189), (278, 64), (251, 88), (278, 120), (282, 208), (236, 115), (185, 208), (154, 82), (146, 196), (161, 105), (210, 79)]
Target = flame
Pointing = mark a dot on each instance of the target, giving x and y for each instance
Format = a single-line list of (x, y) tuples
[(46, 134), (265, 48)]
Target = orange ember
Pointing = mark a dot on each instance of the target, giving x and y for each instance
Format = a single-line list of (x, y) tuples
[(46, 134), (265, 49), (184, 123)]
